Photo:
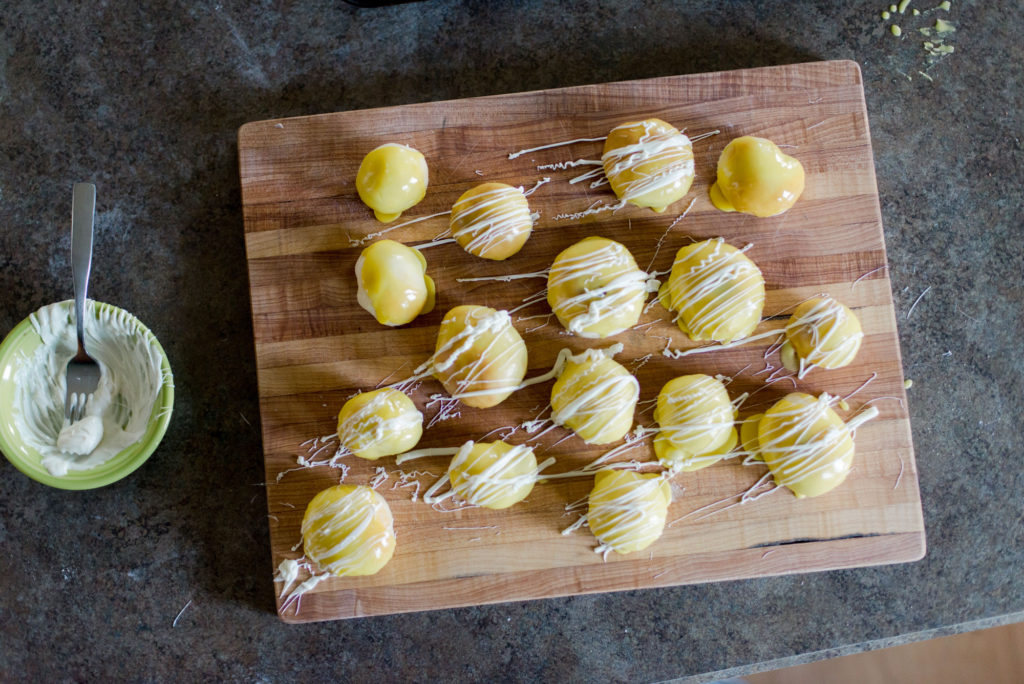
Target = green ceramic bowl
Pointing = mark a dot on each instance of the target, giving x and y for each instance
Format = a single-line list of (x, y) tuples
[(18, 346)]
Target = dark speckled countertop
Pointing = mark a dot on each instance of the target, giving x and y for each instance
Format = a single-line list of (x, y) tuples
[(147, 103)]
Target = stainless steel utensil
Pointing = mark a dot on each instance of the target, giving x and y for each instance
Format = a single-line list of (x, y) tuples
[(83, 373)]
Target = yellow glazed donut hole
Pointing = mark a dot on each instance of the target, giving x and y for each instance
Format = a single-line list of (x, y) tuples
[(595, 397), (494, 475), (755, 177), (627, 510), (805, 444), (480, 358), (348, 531), (716, 292), (648, 163), (596, 289), (821, 332), (695, 423), (380, 423), (491, 221), (393, 284), (391, 179)]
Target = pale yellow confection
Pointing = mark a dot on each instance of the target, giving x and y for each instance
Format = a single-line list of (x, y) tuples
[(755, 177), (695, 423), (391, 179), (595, 397), (748, 436), (627, 510), (596, 289), (805, 444), (822, 332), (716, 292), (380, 423), (348, 531), (491, 221), (393, 284), (648, 163), (493, 474), (480, 358)]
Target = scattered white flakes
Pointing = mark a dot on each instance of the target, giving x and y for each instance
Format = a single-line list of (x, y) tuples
[(949, 352), (289, 505), (874, 270), (768, 553), (244, 419), (273, 517), (185, 607), (659, 574), (916, 301), (900, 476), (479, 172), (926, 75), (814, 126), (520, 153), (279, 125)]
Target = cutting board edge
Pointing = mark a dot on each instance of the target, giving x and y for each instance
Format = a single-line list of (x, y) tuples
[(896, 548)]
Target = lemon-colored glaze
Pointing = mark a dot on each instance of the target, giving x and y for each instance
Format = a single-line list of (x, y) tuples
[(348, 531), (755, 177), (595, 397), (805, 444), (391, 179), (491, 221), (380, 423), (493, 474), (596, 289), (695, 423), (716, 292), (748, 436), (648, 163), (480, 358), (393, 284), (822, 332), (627, 510)]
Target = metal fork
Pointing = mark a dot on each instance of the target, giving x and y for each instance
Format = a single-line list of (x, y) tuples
[(83, 373)]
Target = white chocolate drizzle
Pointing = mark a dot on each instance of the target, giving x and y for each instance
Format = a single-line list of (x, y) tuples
[(520, 153), (648, 150)]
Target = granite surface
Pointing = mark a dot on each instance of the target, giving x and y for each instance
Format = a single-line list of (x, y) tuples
[(147, 102)]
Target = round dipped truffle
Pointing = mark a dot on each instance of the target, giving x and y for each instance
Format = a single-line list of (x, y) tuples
[(348, 531)]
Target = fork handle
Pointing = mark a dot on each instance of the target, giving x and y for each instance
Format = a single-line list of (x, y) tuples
[(83, 210)]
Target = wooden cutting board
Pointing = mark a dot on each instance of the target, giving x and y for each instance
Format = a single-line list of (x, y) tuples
[(315, 347)]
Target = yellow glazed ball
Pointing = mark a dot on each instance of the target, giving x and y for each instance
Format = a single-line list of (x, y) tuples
[(494, 475), (391, 179), (715, 291), (393, 284), (380, 423), (755, 177), (348, 531), (596, 289), (806, 445), (491, 221), (595, 397), (648, 163), (822, 332), (695, 423), (480, 358), (627, 510)]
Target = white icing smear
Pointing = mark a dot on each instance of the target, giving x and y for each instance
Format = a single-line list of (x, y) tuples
[(118, 413)]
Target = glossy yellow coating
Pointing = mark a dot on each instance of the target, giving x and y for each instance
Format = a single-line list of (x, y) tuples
[(748, 436), (480, 358), (596, 289), (695, 423), (595, 397), (627, 510), (380, 423), (491, 221), (494, 475), (348, 531), (393, 284), (391, 179), (755, 177), (648, 163), (823, 332), (716, 292), (805, 444)]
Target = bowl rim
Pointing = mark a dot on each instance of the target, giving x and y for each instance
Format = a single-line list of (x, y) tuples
[(125, 462)]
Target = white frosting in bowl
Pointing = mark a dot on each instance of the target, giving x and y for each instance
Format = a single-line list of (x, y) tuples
[(119, 411)]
